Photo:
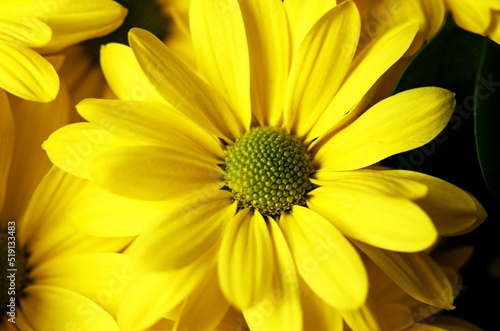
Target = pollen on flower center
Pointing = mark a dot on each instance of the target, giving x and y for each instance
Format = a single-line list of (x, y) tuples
[(146, 15), (14, 275), (268, 170)]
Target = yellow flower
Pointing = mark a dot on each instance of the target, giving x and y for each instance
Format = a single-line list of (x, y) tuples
[(29, 28), (61, 278), (264, 157)]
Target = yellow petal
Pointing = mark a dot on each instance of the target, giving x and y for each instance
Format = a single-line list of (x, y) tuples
[(415, 273), (221, 49), (57, 308), (326, 261), (318, 315), (6, 144), (322, 59), (397, 124), (281, 308), (72, 147), (72, 22), (268, 45), (301, 17), (191, 227), (469, 15), (154, 173), (369, 65), (205, 308), (444, 322), (364, 318), (98, 212), (159, 293), (33, 122), (125, 76), (26, 74), (101, 277), (452, 210), (182, 88), (152, 124), (362, 210), (23, 30), (43, 229), (246, 260)]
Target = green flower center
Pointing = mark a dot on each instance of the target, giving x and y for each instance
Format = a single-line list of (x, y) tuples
[(14, 275), (268, 170), (146, 15)]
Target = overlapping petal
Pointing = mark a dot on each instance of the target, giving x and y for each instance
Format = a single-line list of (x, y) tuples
[(416, 273), (182, 88), (154, 173), (326, 261), (221, 48), (269, 50), (191, 227), (322, 59), (381, 131), (376, 209), (246, 261), (281, 308), (26, 74)]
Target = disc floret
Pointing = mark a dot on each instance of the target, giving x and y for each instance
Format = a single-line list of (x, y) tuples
[(268, 170)]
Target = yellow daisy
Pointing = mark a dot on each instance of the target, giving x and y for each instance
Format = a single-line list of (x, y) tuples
[(265, 156), (29, 28), (54, 276)]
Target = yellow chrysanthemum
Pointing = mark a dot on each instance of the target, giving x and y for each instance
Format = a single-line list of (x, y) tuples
[(265, 155), (54, 277), (29, 28)]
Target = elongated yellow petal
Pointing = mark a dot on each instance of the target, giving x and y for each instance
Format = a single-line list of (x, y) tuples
[(72, 147), (33, 122), (221, 49), (205, 308), (154, 173), (326, 261), (72, 22), (281, 308), (415, 273), (246, 260), (160, 292), (397, 124), (364, 318), (102, 277), (56, 308), (23, 30), (318, 315), (452, 210), (366, 213), (322, 59), (6, 144), (182, 88), (301, 17), (151, 123), (368, 66), (470, 16), (125, 76), (191, 227), (26, 74), (268, 45), (98, 212)]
